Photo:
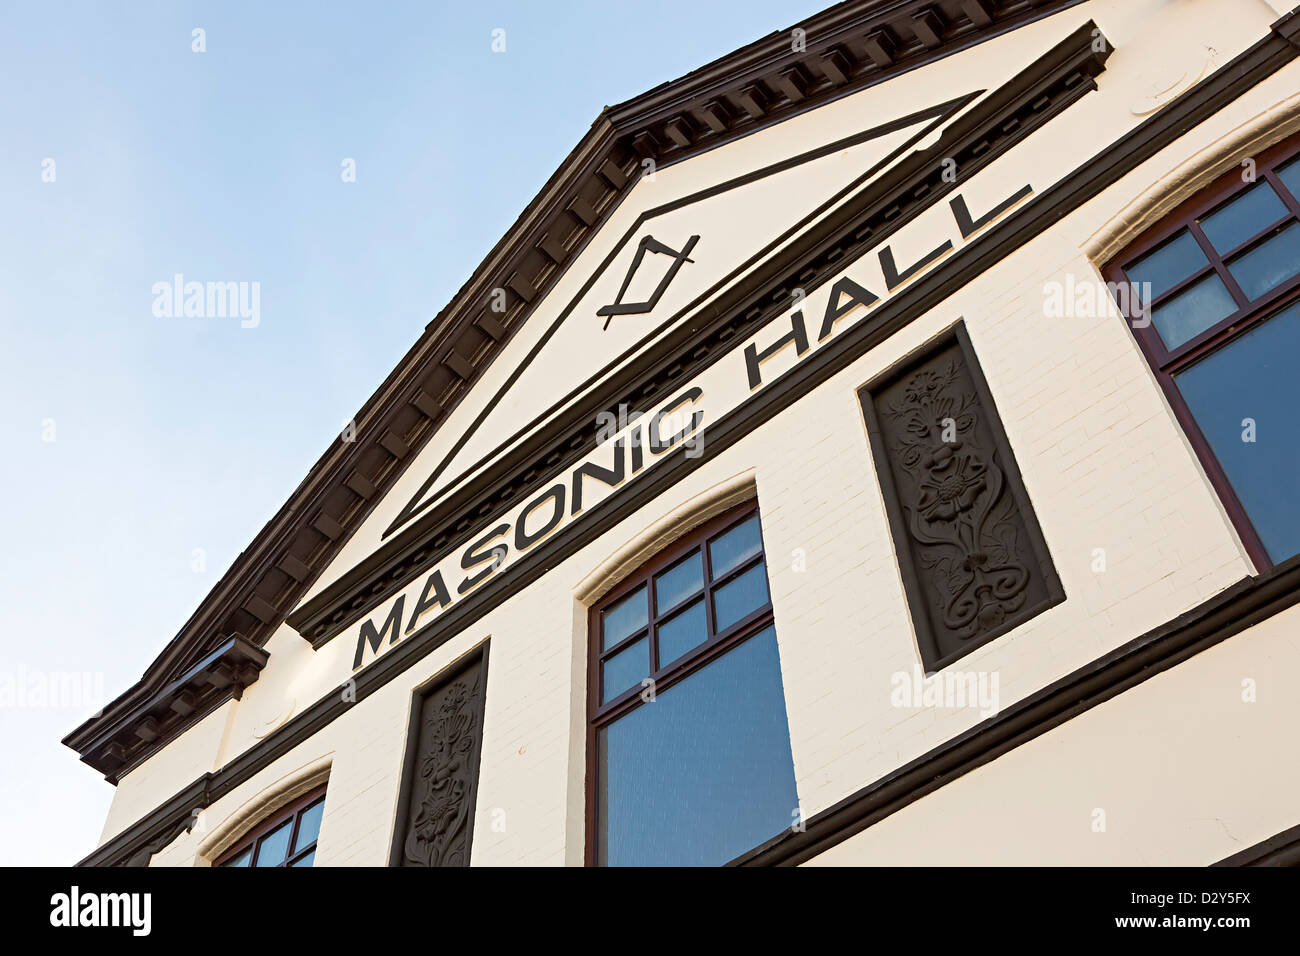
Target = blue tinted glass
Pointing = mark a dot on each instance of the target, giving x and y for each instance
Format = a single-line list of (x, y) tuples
[(1254, 377), (679, 582), (704, 773), (728, 550), (274, 847), (1269, 264), (624, 618), (1290, 176), (241, 860), (1245, 216), (625, 669), (1169, 265), (1193, 310), (735, 599), (308, 826), (681, 632), (306, 860)]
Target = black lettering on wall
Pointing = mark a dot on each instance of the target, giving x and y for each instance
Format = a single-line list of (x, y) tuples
[(894, 278), (435, 592), (611, 476), (554, 494), (376, 637), (973, 559), (969, 226), (638, 453), (659, 444), (444, 744), (475, 555), (798, 335), (835, 311)]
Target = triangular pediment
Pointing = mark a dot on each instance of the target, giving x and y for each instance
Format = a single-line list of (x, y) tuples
[(746, 151), (666, 266), (709, 246)]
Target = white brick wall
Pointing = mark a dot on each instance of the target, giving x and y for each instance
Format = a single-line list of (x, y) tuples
[(1176, 765), (1105, 466)]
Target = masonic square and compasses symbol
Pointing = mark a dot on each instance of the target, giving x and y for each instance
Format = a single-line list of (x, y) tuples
[(648, 244)]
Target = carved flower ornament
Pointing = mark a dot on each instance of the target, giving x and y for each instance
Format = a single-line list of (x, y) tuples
[(443, 786), (955, 504), (951, 484)]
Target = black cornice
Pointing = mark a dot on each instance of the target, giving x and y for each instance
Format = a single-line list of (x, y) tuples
[(1255, 599), (850, 47), (132, 735), (1004, 118), (847, 47)]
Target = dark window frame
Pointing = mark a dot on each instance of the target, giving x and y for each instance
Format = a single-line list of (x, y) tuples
[(1165, 363), (713, 647), (293, 811)]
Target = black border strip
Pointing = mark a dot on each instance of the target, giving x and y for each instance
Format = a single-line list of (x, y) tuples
[(1251, 67), (1281, 849)]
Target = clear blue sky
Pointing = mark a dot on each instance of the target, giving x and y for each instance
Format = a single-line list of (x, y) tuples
[(173, 434)]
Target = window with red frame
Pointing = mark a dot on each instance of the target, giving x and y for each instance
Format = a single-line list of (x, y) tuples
[(1212, 293), (689, 759), (286, 838)]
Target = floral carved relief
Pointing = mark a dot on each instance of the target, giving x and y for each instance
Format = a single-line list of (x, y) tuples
[(964, 534), (443, 772)]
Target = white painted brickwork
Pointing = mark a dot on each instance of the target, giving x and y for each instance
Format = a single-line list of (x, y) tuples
[(1175, 765), (1105, 466)]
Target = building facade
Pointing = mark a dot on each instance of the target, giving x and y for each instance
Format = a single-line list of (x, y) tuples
[(873, 447)]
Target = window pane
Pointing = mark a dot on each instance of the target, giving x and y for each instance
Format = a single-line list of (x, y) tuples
[(1290, 176), (624, 619), (1254, 377), (679, 582), (1269, 264), (1192, 311), (308, 826), (625, 669), (1169, 265), (735, 599), (306, 860), (275, 846), (704, 773), (682, 632), (732, 548), (1245, 216), (241, 860)]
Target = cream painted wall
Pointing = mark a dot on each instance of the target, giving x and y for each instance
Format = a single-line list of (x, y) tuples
[(986, 66), (1104, 463), (1182, 768), (190, 756)]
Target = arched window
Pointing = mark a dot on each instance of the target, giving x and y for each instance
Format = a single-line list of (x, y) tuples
[(689, 757), (285, 838), (1212, 293)]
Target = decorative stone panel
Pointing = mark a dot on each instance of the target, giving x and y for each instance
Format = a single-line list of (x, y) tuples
[(973, 559), (435, 812)]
